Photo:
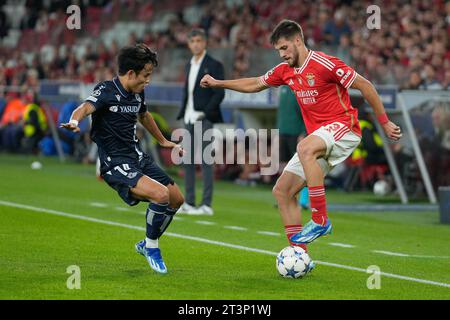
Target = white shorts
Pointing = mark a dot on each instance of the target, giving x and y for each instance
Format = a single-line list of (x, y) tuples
[(340, 142)]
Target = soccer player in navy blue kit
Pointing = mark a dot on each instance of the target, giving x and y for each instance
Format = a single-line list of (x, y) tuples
[(116, 106)]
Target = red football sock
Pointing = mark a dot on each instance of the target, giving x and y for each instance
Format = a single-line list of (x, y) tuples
[(318, 204), (292, 229)]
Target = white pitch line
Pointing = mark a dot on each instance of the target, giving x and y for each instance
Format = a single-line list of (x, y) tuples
[(203, 240), (207, 223), (342, 245), (98, 204), (429, 257), (389, 253), (268, 233), (122, 209), (398, 254), (236, 228)]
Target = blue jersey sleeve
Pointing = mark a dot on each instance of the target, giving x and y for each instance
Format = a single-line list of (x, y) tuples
[(99, 96)]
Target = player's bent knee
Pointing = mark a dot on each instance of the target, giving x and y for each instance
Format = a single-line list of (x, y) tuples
[(176, 196), (306, 152), (160, 196), (279, 192), (178, 201)]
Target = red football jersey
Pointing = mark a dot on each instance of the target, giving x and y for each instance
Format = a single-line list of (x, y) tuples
[(321, 87)]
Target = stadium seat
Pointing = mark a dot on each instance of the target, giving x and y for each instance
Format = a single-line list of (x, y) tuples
[(146, 12), (69, 37), (94, 24), (43, 38)]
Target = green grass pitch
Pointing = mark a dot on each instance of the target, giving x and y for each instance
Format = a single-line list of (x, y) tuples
[(61, 216)]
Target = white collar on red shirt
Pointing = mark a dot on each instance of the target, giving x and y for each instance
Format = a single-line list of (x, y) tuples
[(303, 66)]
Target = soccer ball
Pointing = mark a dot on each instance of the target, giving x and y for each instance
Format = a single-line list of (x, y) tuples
[(381, 188), (293, 262), (36, 165)]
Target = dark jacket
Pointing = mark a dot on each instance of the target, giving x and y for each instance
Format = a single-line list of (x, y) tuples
[(205, 99)]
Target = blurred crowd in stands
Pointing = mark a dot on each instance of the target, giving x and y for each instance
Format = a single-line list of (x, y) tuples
[(410, 51)]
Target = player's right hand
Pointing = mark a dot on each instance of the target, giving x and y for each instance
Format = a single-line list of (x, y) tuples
[(392, 131), (70, 126), (207, 81)]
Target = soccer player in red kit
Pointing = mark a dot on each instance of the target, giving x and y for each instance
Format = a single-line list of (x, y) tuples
[(320, 83)]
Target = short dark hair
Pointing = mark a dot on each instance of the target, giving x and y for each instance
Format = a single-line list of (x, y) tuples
[(135, 58), (197, 32), (286, 29)]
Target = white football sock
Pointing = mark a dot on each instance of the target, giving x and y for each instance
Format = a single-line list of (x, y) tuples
[(149, 243)]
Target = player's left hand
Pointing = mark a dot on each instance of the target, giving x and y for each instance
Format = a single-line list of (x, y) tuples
[(207, 81), (392, 131), (70, 126), (170, 144)]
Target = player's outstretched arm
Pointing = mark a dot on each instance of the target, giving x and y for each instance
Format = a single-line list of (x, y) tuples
[(146, 119), (78, 114), (246, 85), (369, 92)]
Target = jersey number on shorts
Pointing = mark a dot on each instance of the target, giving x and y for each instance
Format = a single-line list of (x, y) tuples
[(125, 166), (333, 127)]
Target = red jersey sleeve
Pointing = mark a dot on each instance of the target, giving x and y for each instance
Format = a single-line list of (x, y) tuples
[(342, 73), (273, 77)]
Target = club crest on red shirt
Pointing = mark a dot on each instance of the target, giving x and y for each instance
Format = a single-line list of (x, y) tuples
[(310, 78)]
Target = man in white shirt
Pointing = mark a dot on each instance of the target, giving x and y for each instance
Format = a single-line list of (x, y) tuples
[(200, 105)]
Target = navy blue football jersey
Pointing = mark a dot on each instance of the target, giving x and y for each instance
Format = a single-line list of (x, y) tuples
[(114, 120)]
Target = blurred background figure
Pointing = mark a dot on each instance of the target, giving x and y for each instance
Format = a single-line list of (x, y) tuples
[(291, 129), (201, 107), (40, 57), (35, 128), (334, 30), (11, 130), (368, 160)]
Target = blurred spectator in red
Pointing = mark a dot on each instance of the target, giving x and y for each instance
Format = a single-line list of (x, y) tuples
[(11, 126), (413, 34)]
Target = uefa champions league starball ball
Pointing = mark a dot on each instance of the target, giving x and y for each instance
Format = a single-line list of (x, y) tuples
[(293, 262)]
